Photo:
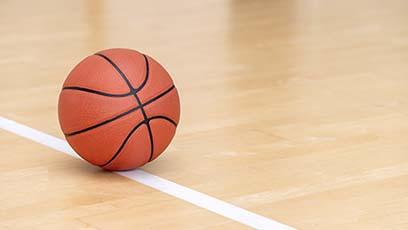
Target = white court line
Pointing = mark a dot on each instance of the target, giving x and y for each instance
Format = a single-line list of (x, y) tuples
[(197, 198)]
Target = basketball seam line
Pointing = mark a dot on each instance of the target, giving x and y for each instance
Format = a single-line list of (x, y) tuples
[(122, 75), (146, 120), (120, 115), (134, 92), (134, 130), (147, 75), (77, 88), (132, 89)]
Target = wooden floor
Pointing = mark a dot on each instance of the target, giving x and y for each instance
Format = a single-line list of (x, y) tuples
[(295, 110)]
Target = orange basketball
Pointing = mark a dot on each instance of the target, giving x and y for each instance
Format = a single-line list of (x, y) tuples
[(119, 109)]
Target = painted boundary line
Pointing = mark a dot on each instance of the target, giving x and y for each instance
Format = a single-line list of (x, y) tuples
[(197, 198)]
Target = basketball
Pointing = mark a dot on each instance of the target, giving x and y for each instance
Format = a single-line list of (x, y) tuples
[(119, 109)]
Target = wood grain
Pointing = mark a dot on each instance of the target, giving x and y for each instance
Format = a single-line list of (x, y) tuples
[(296, 110)]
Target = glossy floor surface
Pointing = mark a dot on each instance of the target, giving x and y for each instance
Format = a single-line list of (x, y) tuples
[(295, 110)]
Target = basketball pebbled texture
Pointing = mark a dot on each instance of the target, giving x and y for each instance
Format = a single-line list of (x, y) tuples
[(119, 109)]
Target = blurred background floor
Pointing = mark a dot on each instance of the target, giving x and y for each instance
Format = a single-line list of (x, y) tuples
[(296, 110)]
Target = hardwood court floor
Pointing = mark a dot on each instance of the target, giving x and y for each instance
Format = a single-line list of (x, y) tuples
[(295, 110)]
